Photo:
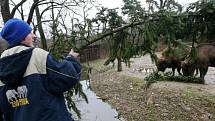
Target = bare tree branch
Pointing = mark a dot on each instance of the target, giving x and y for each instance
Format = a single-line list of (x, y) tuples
[(16, 7), (41, 23), (20, 11), (57, 5), (31, 12), (48, 8)]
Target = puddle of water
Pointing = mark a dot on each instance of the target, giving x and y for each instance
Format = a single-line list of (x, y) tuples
[(210, 76), (96, 109)]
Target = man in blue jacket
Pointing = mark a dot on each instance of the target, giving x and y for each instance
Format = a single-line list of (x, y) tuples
[(33, 82)]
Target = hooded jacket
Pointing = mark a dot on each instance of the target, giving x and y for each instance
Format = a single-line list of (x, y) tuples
[(33, 84)]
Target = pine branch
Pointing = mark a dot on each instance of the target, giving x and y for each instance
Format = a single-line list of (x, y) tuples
[(111, 32)]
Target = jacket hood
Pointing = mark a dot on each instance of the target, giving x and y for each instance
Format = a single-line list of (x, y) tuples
[(13, 64)]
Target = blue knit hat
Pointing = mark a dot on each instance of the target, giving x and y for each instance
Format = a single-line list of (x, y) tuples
[(14, 31)]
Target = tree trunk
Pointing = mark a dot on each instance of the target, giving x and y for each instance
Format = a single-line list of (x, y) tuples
[(119, 65), (119, 60), (40, 29), (53, 23), (5, 10)]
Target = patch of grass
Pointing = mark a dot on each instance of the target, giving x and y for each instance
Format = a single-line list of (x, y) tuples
[(199, 96), (136, 82), (152, 115), (134, 79), (188, 94), (97, 64), (210, 99), (202, 103)]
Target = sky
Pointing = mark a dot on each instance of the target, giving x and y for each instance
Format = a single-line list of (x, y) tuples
[(119, 3)]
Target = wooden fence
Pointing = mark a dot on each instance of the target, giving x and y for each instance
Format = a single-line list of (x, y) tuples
[(93, 52)]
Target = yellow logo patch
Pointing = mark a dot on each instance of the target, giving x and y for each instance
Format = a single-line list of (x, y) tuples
[(19, 102)]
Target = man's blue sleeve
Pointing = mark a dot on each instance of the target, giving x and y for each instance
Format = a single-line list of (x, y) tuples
[(62, 75), (1, 115)]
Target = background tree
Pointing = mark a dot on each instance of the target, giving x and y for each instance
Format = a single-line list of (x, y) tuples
[(202, 16), (40, 27), (133, 9)]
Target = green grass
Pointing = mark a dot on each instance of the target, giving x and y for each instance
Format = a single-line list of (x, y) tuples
[(152, 116), (198, 96)]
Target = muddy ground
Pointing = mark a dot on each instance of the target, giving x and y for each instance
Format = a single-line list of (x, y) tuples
[(163, 101)]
